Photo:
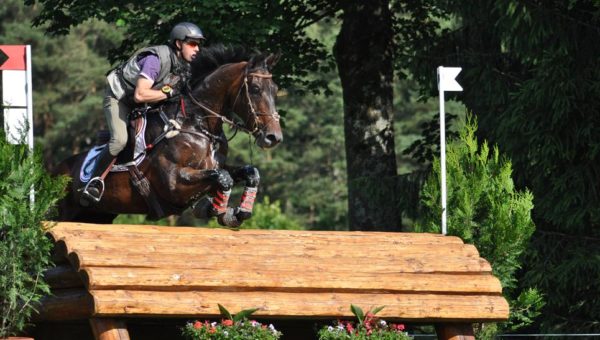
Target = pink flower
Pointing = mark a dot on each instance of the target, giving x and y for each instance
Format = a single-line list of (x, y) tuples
[(197, 324), (227, 322)]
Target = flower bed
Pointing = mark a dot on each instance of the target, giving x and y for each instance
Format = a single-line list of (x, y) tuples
[(232, 327), (368, 326)]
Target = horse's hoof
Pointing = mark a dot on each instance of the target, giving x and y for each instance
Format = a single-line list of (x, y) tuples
[(203, 208), (228, 219), (243, 215)]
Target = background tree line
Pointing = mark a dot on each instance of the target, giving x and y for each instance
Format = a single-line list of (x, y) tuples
[(530, 72)]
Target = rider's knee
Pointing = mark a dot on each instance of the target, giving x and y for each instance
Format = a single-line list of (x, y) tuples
[(117, 144)]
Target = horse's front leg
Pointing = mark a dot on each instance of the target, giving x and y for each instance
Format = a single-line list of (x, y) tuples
[(251, 178), (222, 184)]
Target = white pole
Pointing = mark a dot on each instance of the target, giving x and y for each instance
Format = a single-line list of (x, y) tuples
[(446, 82), (29, 111), (443, 159), (29, 97)]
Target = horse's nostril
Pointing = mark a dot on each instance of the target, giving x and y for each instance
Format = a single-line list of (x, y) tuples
[(273, 138)]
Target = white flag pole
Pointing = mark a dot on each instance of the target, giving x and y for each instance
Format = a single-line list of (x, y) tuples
[(29, 97), (443, 158), (29, 111), (446, 82)]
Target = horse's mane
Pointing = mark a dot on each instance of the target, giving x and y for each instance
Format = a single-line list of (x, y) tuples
[(210, 58)]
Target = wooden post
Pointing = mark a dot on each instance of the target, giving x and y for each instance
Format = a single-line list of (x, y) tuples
[(454, 331), (109, 329)]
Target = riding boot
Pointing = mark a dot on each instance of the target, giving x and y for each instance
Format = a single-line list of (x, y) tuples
[(92, 192)]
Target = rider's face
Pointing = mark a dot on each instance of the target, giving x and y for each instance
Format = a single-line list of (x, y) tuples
[(189, 49)]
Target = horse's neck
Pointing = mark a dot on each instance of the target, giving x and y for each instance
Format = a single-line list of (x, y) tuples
[(221, 87)]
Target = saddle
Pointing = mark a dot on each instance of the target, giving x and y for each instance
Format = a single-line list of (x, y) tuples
[(131, 157), (133, 152)]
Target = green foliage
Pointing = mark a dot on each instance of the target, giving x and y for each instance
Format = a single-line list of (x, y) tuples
[(142, 219), (236, 327), (68, 78), (568, 269), (227, 329), (530, 71), (239, 316), (266, 215), (237, 22), (368, 326), (24, 248), (485, 209)]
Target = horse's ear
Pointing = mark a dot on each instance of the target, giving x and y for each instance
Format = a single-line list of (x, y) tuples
[(271, 60)]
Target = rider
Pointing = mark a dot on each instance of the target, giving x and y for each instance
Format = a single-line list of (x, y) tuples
[(145, 78)]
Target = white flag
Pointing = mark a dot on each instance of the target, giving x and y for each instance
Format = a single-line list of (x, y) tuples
[(447, 78)]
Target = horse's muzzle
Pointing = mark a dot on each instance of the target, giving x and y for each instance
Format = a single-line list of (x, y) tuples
[(268, 139)]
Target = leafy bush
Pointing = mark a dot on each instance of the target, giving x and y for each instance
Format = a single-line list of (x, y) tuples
[(232, 327), (368, 327), (24, 248), (485, 209)]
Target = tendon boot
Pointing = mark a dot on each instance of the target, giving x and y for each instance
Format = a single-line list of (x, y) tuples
[(92, 192)]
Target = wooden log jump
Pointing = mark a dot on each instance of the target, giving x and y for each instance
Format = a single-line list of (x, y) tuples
[(154, 272)]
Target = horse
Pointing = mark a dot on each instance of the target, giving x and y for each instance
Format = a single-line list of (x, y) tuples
[(185, 164)]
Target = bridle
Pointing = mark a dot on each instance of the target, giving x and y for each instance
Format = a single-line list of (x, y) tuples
[(255, 114)]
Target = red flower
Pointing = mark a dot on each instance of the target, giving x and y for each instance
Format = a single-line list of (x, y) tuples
[(212, 330), (349, 327), (197, 324), (227, 322), (399, 327)]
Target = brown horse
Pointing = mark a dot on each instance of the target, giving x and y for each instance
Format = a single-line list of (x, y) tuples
[(185, 166)]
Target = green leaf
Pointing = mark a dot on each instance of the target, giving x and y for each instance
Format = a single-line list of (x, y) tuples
[(358, 312), (377, 310), (244, 314), (224, 312)]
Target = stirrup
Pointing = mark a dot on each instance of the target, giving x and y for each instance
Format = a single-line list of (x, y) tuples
[(86, 196)]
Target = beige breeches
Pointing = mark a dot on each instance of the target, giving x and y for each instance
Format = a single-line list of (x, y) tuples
[(116, 113)]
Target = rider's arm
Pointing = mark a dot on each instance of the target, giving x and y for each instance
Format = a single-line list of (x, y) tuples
[(149, 70), (145, 94)]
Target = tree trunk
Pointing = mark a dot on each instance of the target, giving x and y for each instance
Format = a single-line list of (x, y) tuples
[(364, 55)]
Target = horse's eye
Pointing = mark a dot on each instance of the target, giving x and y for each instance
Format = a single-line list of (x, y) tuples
[(254, 89)]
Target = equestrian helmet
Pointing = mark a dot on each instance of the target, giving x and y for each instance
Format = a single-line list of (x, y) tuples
[(185, 30)]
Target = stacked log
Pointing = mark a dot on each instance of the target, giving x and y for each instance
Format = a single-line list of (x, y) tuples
[(151, 271)]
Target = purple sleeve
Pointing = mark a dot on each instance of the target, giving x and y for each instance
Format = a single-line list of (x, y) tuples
[(149, 66)]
